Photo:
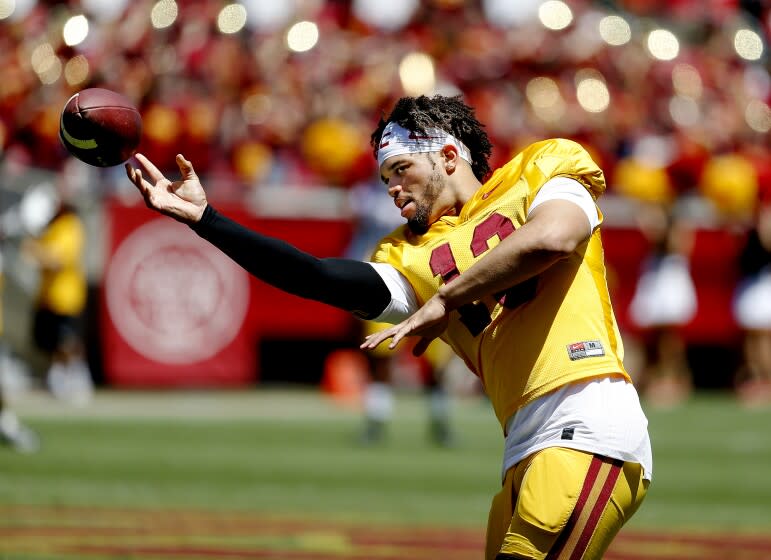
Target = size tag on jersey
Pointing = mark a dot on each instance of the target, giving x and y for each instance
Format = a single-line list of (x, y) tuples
[(586, 349)]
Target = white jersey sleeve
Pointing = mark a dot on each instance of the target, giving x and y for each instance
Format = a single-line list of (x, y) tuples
[(403, 300), (565, 188)]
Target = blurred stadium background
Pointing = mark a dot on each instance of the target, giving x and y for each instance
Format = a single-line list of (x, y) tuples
[(274, 101)]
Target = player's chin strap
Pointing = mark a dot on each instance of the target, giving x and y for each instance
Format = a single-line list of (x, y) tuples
[(397, 140)]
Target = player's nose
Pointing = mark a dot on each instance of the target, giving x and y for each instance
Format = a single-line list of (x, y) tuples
[(394, 188)]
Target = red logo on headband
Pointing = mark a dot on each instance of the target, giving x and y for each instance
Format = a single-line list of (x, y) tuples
[(384, 144)]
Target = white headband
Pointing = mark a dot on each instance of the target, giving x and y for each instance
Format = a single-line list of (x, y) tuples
[(397, 140)]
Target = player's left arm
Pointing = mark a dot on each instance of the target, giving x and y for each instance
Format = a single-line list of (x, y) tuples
[(554, 230)]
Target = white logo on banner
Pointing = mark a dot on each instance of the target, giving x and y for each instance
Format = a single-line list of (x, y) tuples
[(172, 296)]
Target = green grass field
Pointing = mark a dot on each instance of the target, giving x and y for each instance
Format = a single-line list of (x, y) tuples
[(293, 454)]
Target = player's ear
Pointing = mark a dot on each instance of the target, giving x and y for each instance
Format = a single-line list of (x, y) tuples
[(450, 157)]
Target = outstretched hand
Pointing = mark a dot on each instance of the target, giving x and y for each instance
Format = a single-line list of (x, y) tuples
[(183, 200), (428, 323)]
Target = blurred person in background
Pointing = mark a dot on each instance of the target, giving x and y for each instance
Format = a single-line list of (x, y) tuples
[(374, 219), (752, 310), (61, 299), (384, 364), (508, 269), (12, 432), (664, 302)]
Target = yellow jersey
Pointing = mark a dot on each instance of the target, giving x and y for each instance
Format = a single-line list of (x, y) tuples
[(541, 334), (63, 288)]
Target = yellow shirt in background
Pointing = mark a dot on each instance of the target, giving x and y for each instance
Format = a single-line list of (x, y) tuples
[(554, 329), (63, 287)]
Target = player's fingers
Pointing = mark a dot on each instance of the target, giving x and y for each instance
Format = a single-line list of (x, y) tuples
[(139, 181), (153, 172), (134, 176), (130, 173), (149, 193), (144, 187), (398, 332), (372, 340), (401, 332), (185, 167)]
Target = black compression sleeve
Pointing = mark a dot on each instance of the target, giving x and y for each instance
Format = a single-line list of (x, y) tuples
[(345, 283)]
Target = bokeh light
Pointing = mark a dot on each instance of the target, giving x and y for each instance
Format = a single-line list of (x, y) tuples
[(302, 36), (6, 8), (417, 73), (686, 81), (268, 16), (104, 11), (76, 70), (555, 14), (748, 44), (592, 92), (615, 30), (17, 10), (75, 30), (231, 19), (42, 58), (542, 92), (663, 44), (52, 73), (389, 16), (506, 14), (758, 116), (164, 14), (544, 96)]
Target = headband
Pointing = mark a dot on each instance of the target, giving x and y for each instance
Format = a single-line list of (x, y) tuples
[(397, 140)]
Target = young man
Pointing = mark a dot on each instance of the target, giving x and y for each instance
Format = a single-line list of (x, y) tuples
[(510, 274)]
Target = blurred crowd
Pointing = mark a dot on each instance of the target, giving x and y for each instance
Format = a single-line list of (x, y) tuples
[(670, 96)]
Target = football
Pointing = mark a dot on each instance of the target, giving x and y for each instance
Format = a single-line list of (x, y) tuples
[(100, 127)]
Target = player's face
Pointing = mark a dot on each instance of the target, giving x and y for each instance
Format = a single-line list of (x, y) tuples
[(416, 185)]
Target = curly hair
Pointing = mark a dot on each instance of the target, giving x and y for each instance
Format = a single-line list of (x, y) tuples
[(450, 114)]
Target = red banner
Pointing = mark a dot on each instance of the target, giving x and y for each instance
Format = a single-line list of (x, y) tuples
[(178, 312)]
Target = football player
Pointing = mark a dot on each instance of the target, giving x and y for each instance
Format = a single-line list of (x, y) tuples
[(507, 268)]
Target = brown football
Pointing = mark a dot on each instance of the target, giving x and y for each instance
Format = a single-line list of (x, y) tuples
[(100, 127)]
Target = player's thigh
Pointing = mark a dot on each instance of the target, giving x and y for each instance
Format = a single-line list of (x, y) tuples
[(561, 499), (544, 490), (628, 493)]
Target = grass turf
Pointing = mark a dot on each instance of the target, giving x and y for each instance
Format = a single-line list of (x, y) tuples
[(294, 453)]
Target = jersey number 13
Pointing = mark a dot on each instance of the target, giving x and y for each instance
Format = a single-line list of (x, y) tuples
[(476, 316)]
